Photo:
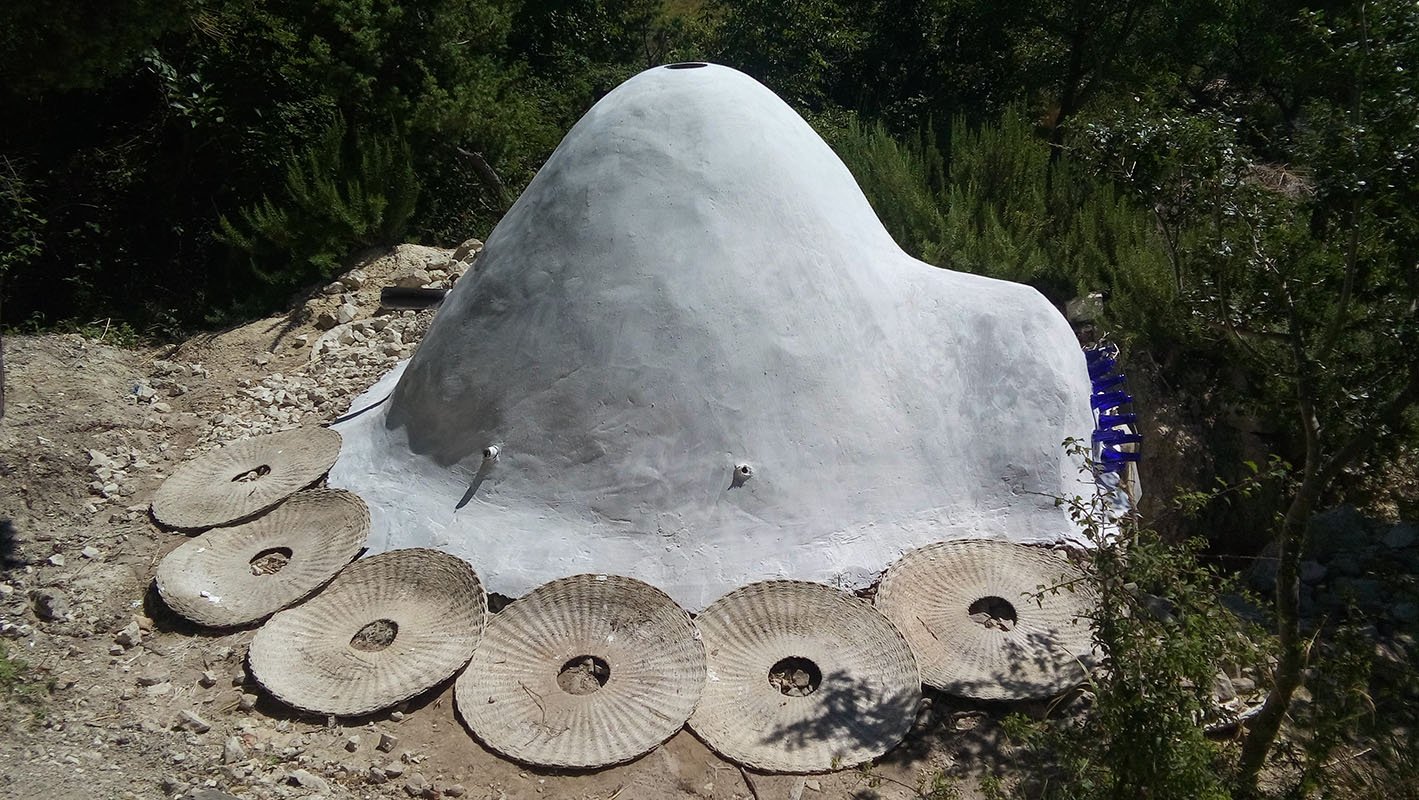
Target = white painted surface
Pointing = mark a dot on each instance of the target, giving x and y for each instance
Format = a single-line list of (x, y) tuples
[(694, 281)]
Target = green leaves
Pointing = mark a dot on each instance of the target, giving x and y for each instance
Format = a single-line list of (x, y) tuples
[(345, 191)]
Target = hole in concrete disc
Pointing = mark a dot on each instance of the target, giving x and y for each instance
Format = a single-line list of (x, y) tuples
[(687, 65), (583, 675), (375, 636), (252, 474), (795, 676), (270, 561), (995, 613)]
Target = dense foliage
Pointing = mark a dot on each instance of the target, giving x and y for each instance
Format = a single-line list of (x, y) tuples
[(133, 130)]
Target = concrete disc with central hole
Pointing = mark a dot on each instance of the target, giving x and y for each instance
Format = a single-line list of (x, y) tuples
[(970, 611), (387, 628), (585, 671), (232, 576), (694, 282), (240, 480), (803, 678)]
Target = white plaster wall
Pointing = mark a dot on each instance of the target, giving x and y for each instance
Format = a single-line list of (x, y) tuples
[(694, 281)]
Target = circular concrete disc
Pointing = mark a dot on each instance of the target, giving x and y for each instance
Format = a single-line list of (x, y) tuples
[(232, 576), (245, 478), (514, 699), (864, 703), (933, 592), (325, 655)]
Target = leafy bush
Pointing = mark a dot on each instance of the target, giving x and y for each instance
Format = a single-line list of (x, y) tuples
[(1163, 636), (346, 191)]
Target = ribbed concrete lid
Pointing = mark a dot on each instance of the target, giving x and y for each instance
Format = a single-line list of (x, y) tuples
[(386, 629), (232, 576), (244, 478), (803, 678), (968, 608), (585, 671)]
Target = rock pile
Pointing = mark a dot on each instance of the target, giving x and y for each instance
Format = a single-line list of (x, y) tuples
[(1354, 562), (360, 342)]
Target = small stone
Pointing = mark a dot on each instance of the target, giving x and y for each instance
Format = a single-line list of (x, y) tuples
[(396, 716), (246, 702), (376, 775), (1401, 536), (1223, 688), (813, 784), (57, 560), (159, 689), (90, 552), (1312, 571), (354, 279), (162, 408), (326, 320), (190, 721), (1243, 685), (394, 769), (233, 751), (413, 279), (466, 250), (130, 636), (261, 359), (346, 313), (387, 742), (352, 743), (51, 604), (207, 680), (414, 787), (308, 780), (153, 677)]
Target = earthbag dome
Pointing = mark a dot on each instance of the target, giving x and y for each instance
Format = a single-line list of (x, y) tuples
[(691, 354)]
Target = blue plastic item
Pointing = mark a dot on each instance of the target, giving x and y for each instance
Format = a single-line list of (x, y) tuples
[(1109, 400), (1104, 384), (1115, 420), (1116, 437)]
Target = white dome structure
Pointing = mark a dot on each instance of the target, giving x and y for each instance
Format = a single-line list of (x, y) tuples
[(691, 354)]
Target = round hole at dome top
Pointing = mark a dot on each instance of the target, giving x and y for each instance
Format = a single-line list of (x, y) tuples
[(687, 65), (795, 676), (583, 674), (995, 613), (375, 636), (270, 561)]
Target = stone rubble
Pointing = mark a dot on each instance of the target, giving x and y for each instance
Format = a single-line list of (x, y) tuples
[(360, 342)]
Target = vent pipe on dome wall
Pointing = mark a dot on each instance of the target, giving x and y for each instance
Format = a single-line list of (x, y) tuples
[(705, 362)]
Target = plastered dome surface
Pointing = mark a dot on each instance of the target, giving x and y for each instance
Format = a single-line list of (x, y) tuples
[(694, 282)]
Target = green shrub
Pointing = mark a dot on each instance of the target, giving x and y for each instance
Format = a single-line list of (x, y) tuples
[(344, 192), (902, 180), (1163, 636)]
